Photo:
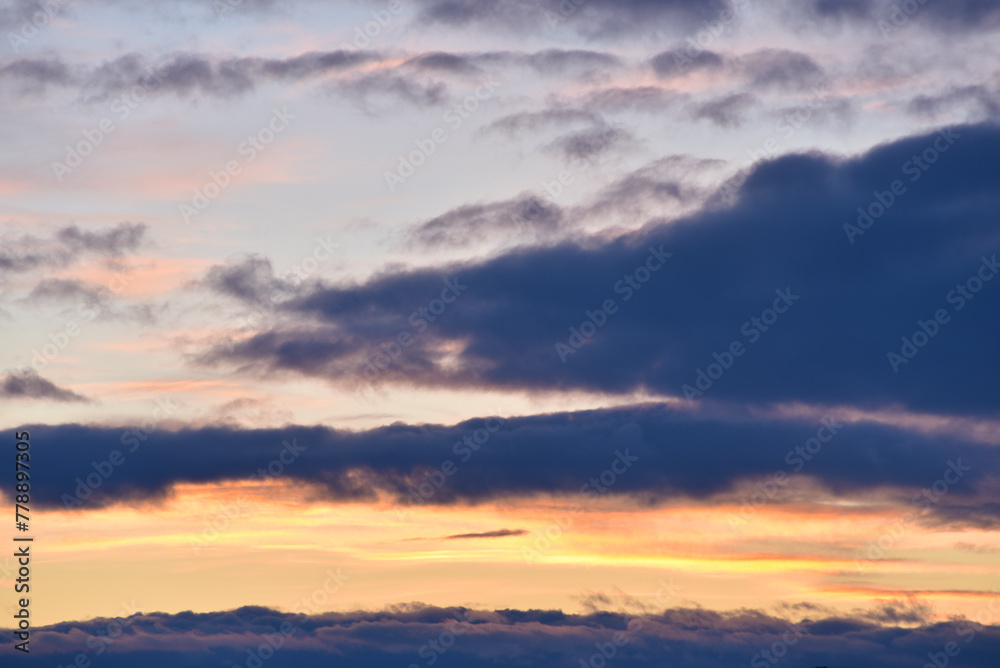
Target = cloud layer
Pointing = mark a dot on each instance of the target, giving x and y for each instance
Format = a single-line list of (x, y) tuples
[(652, 452), (419, 635)]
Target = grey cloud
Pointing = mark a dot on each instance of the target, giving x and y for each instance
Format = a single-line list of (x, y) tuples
[(112, 242), (780, 68), (602, 19), (248, 278), (679, 62), (33, 75), (521, 216), (727, 112), (93, 301), (500, 533), (182, 74), (975, 100), (29, 385), (371, 90), (664, 179), (590, 143), (547, 119), (649, 99), (68, 245)]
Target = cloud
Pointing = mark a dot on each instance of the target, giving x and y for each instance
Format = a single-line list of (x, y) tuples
[(577, 145), (548, 62), (961, 15), (660, 455), (535, 218), (441, 61), (852, 296), (526, 217), (247, 278), (975, 100), (649, 99), (665, 180), (678, 62), (183, 74), (373, 89), (187, 73), (765, 68), (29, 385), (68, 245), (35, 74), (586, 145), (727, 112), (17, 12), (94, 301), (566, 61), (548, 119), (780, 68), (595, 18), (247, 411), (647, 638), (113, 242), (500, 533), (841, 9), (192, 74)]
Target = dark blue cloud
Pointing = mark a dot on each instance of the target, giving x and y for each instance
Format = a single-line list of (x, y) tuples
[(860, 282), (654, 453), (594, 18), (954, 16), (459, 637)]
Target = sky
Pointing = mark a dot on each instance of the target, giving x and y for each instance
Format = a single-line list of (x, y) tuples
[(496, 332)]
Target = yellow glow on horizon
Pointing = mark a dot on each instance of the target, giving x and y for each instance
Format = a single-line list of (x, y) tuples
[(219, 546)]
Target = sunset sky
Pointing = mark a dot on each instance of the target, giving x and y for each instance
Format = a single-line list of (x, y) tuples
[(517, 323)]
